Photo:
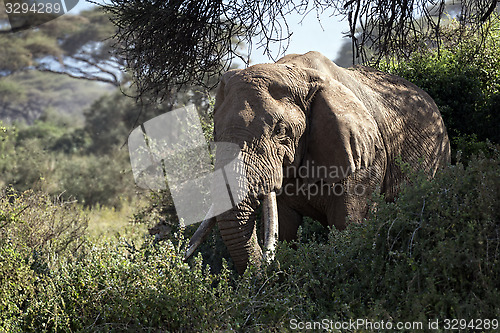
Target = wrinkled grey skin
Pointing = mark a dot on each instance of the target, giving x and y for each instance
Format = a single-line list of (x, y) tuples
[(305, 113)]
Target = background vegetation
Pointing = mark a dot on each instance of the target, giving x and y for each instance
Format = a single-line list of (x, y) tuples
[(75, 254)]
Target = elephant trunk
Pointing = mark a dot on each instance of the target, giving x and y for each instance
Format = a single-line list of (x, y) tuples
[(242, 248), (238, 231), (255, 177), (246, 184)]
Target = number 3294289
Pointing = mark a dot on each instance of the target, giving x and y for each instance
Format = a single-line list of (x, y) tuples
[(36, 8), (473, 324)]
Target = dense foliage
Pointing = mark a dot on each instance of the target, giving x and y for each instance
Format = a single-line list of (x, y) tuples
[(434, 253), (58, 155), (35, 231)]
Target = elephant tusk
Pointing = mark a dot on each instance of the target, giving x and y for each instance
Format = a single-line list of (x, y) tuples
[(270, 216), (201, 233)]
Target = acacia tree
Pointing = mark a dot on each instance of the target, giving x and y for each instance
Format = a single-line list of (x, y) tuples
[(73, 46), (78, 46), (176, 42)]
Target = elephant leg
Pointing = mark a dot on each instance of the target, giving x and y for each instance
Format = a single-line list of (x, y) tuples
[(354, 202), (289, 221), (337, 209)]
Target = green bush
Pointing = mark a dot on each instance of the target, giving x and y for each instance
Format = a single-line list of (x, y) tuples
[(115, 289), (35, 231), (46, 157), (54, 132), (40, 222), (432, 254), (92, 179), (19, 166)]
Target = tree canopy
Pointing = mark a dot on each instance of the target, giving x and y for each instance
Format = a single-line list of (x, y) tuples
[(38, 66), (176, 42), (25, 96), (78, 46)]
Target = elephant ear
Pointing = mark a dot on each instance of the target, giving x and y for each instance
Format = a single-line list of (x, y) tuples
[(342, 137)]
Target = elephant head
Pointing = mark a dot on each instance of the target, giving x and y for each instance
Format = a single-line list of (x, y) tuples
[(281, 116), (263, 110)]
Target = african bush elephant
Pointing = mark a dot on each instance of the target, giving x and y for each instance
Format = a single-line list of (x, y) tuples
[(322, 138)]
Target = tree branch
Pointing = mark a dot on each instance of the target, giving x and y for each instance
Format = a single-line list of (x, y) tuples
[(88, 78), (490, 11)]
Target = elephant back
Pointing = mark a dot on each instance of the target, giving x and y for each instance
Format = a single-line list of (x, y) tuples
[(409, 121)]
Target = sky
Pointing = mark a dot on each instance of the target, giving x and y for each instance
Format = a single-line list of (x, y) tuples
[(308, 35)]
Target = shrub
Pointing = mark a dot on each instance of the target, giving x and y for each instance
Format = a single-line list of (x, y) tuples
[(54, 132), (29, 160), (93, 179), (41, 223), (114, 288), (34, 231), (433, 253)]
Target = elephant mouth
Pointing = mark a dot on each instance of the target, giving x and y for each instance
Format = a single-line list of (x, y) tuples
[(270, 226)]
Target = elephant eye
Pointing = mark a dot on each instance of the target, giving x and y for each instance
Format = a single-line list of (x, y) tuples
[(279, 92), (280, 130)]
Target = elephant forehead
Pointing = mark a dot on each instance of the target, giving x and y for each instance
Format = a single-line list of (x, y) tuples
[(250, 102), (264, 76), (247, 114), (243, 124)]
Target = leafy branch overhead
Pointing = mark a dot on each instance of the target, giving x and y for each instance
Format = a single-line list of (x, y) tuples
[(177, 42), (174, 43)]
